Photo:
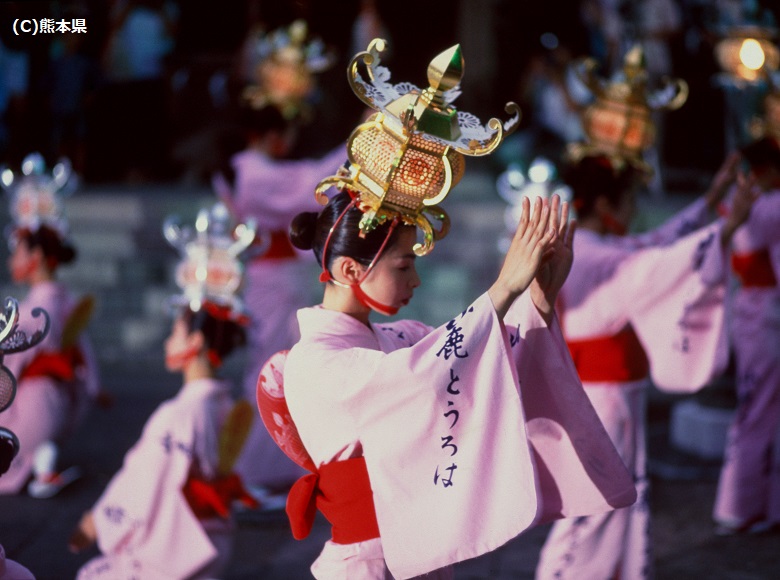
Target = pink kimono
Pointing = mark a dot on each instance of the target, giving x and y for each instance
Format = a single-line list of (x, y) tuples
[(277, 284), (471, 433), (749, 487), (634, 308), (48, 404), (145, 526)]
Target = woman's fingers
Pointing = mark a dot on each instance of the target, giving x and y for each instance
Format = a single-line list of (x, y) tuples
[(563, 225)]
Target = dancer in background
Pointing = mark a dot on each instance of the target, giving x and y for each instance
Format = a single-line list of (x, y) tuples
[(270, 189), (429, 446), (748, 497), (635, 308), (166, 513), (58, 378)]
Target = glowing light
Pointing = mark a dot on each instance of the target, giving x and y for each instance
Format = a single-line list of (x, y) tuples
[(7, 177), (751, 54), (541, 170), (516, 178)]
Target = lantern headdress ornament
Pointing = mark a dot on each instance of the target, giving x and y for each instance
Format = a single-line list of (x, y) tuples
[(618, 124), (210, 273), (406, 157), (284, 76), (13, 340), (36, 196)]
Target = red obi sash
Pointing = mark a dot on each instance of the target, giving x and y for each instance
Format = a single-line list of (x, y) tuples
[(209, 499), (617, 358), (60, 366), (281, 247), (754, 269), (340, 490)]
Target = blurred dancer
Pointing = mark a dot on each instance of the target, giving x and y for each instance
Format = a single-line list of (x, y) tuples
[(166, 513), (748, 496), (632, 308), (58, 379), (270, 189)]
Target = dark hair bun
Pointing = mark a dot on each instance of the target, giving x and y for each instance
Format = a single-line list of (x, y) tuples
[(303, 229), (66, 254)]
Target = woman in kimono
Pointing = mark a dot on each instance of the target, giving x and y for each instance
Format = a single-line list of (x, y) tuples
[(429, 446), (270, 187), (748, 496), (166, 513), (57, 378), (635, 307), (429, 431)]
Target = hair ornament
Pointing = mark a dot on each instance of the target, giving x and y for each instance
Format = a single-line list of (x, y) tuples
[(618, 124), (405, 158), (13, 339), (287, 60), (36, 196), (210, 272)]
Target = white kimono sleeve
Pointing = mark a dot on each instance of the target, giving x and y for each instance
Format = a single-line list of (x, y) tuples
[(443, 431), (674, 298), (143, 511), (578, 470)]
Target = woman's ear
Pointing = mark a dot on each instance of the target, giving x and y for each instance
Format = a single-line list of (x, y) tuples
[(602, 207), (196, 341), (347, 270)]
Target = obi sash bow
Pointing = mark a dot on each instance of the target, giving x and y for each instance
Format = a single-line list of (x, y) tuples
[(340, 490)]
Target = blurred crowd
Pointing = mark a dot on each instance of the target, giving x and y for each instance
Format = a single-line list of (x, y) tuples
[(151, 91)]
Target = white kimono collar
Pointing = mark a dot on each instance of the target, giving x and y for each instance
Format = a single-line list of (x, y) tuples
[(203, 388), (318, 322)]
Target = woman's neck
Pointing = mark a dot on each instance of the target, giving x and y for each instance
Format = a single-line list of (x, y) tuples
[(198, 368), (344, 300), (592, 223), (39, 276)]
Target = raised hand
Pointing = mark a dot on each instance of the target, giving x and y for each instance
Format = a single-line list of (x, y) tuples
[(84, 535), (745, 194), (532, 241), (557, 260), (726, 175)]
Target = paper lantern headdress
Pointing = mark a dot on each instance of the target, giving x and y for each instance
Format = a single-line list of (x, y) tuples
[(406, 157), (210, 273), (284, 77), (36, 196), (618, 124)]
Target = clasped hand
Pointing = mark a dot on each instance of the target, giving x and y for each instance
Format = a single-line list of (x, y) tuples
[(539, 256)]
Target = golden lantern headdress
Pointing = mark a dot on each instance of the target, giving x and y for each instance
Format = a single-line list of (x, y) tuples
[(284, 77), (619, 124), (404, 160), (210, 273), (36, 196)]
